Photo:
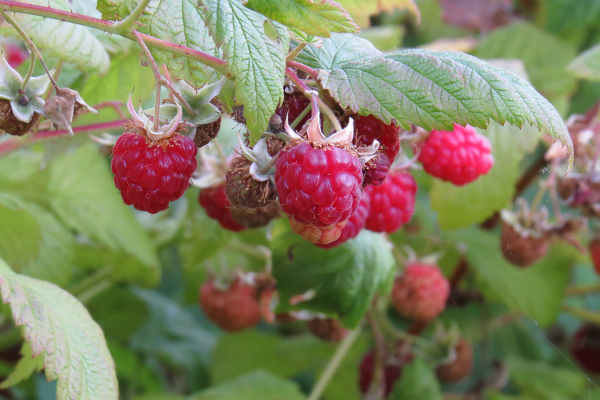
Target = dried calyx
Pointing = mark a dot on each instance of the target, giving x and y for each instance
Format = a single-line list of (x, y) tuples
[(20, 108), (63, 108), (144, 120)]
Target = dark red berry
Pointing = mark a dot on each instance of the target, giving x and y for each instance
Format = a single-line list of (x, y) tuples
[(392, 203), (217, 206), (292, 107), (376, 169), (366, 371), (460, 156), (595, 253), (233, 308), (150, 174), (461, 366), (369, 128), (320, 187), (328, 329), (523, 248), (585, 347), (355, 224)]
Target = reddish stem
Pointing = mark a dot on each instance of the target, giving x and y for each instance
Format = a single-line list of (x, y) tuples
[(312, 72)]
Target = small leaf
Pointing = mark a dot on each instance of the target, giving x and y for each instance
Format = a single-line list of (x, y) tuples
[(27, 365), (256, 62), (299, 36), (587, 64), (418, 382), (435, 89), (344, 279), (20, 234), (337, 50), (318, 18), (258, 385), (59, 327), (361, 10)]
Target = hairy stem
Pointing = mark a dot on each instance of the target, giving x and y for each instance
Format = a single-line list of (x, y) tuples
[(30, 45), (333, 364), (312, 72), (125, 26), (157, 79), (586, 315), (295, 52), (111, 27)]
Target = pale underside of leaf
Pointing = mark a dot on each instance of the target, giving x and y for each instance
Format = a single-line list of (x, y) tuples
[(340, 48), (318, 18), (435, 89), (255, 61), (59, 327)]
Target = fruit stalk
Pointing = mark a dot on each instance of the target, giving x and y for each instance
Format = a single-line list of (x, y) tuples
[(295, 52), (157, 78), (582, 290), (312, 72), (585, 315)]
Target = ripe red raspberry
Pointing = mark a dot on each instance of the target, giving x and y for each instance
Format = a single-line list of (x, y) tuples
[(328, 329), (292, 107), (460, 367), (15, 55), (585, 347), (369, 128), (319, 186), (392, 203), (217, 206), (421, 292), (151, 174), (459, 157), (234, 308), (365, 374), (355, 224), (376, 170), (595, 253)]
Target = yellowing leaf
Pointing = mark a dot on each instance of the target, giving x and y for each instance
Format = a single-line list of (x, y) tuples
[(361, 10)]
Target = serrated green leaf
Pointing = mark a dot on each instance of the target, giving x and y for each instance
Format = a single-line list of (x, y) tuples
[(255, 61), (418, 382), (69, 42), (536, 291), (361, 10), (20, 234), (299, 36), (115, 9), (435, 89), (83, 194), (60, 328), (459, 206), (315, 18), (258, 385), (587, 64), (337, 50), (344, 278), (27, 365)]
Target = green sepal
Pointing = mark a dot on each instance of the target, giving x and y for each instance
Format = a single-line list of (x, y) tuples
[(200, 101)]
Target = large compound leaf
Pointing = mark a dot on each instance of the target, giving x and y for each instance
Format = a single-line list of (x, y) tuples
[(318, 18), (59, 327), (361, 10), (83, 194), (69, 42), (256, 61), (434, 89), (343, 279), (337, 50), (587, 64)]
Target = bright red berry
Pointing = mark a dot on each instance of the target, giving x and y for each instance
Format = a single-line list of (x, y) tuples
[(234, 308), (319, 186), (369, 128), (585, 347), (218, 207), (151, 174), (366, 369), (292, 107), (460, 156), (595, 253), (461, 366), (15, 55), (421, 292), (392, 203), (355, 224)]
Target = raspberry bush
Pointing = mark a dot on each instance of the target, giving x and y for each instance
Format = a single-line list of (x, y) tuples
[(298, 199)]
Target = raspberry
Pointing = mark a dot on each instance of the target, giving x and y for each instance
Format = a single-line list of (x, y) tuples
[(328, 329), (355, 224), (421, 292), (291, 108), (243, 190), (320, 187), (233, 309), (11, 124), (316, 234), (217, 206), (459, 368), (15, 55), (585, 347), (376, 170), (256, 217), (459, 157), (594, 246), (150, 174), (207, 132), (367, 365), (522, 250), (392, 203), (369, 128)]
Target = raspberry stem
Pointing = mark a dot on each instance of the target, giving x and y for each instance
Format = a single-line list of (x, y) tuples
[(582, 290), (312, 72), (586, 315), (301, 116), (157, 78), (125, 26), (295, 52)]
